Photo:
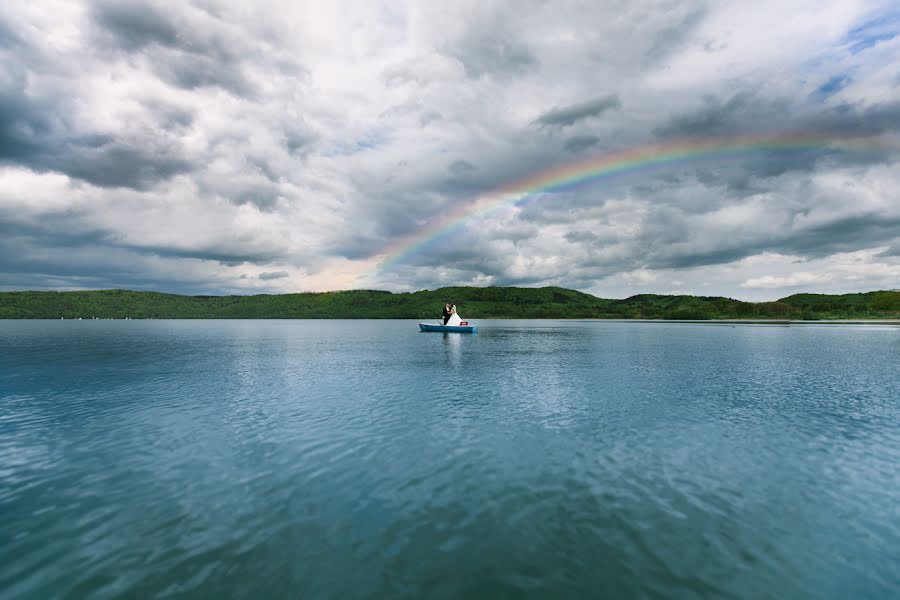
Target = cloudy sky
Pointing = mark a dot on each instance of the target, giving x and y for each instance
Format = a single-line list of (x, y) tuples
[(245, 147)]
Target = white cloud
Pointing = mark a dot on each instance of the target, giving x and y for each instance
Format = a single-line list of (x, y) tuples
[(795, 280)]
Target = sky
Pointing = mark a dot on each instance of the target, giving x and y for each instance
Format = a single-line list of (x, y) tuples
[(207, 147)]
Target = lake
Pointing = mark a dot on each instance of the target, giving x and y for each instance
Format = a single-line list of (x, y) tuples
[(363, 459)]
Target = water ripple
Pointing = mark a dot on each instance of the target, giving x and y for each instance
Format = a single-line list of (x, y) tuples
[(362, 459)]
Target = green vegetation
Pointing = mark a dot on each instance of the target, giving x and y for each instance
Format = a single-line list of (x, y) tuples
[(491, 302)]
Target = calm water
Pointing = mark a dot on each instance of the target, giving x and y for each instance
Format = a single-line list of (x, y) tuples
[(362, 459)]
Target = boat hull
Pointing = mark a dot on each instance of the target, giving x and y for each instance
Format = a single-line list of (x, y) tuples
[(449, 328)]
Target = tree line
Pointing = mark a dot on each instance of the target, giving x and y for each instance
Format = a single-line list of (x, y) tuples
[(490, 302)]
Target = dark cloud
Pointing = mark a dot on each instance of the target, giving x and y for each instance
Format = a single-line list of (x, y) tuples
[(428, 117), (298, 137), (268, 275), (569, 115), (861, 120), (107, 165), (464, 253), (263, 197), (842, 235), (489, 46), (676, 33), (117, 164), (356, 247), (184, 54), (746, 112), (71, 231), (54, 231), (136, 25), (667, 259), (53, 256), (192, 71), (580, 236), (495, 56), (224, 253), (111, 269), (461, 166), (38, 132), (743, 111), (8, 37), (579, 143), (673, 244), (170, 117), (22, 127)]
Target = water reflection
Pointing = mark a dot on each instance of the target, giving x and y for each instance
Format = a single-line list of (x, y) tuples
[(452, 344)]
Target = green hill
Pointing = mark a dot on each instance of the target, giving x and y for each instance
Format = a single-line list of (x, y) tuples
[(490, 302)]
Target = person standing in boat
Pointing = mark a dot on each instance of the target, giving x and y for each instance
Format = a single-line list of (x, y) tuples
[(454, 319), (446, 312)]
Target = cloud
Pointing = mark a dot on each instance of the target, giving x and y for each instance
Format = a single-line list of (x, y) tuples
[(580, 143), (136, 25), (461, 166), (41, 129), (269, 275), (30, 137), (742, 111), (488, 45), (569, 115), (795, 280), (187, 48), (200, 147)]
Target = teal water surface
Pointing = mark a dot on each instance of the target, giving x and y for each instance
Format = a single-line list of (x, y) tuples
[(363, 459)]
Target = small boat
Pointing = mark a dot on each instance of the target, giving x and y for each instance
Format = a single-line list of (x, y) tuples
[(455, 325), (450, 328)]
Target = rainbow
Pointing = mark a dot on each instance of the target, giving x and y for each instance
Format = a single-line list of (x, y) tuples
[(599, 167)]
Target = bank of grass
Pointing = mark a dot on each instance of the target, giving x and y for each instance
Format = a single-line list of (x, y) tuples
[(490, 302)]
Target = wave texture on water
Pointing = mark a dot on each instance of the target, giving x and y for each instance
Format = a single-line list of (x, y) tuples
[(363, 459)]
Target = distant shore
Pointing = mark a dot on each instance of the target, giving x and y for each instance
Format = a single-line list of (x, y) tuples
[(474, 303), (769, 321)]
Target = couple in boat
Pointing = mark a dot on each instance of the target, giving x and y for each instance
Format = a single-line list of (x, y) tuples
[(451, 322), (449, 314)]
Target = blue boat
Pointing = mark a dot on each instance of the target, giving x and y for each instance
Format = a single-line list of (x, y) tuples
[(449, 328)]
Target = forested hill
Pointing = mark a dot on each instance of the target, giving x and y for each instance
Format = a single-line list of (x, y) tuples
[(491, 302)]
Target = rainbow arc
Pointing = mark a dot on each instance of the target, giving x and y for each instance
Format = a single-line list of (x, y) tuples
[(599, 167)]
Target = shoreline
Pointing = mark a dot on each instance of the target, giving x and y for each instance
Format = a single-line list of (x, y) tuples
[(475, 303), (895, 322)]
